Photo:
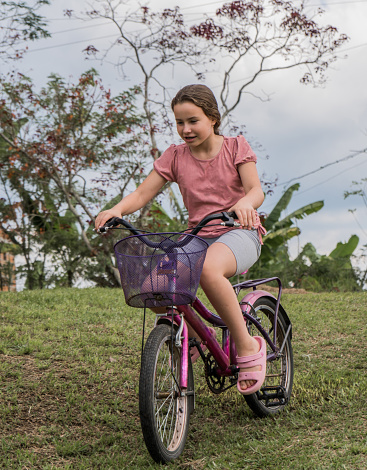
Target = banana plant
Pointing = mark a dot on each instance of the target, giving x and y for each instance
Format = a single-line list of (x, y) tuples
[(335, 271), (345, 250), (280, 230)]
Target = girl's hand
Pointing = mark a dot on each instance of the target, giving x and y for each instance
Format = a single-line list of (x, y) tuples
[(104, 216), (245, 212)]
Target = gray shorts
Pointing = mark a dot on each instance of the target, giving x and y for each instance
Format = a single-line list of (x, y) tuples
[(244, 244)]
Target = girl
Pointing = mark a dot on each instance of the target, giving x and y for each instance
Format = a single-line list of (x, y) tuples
[(214, 174)]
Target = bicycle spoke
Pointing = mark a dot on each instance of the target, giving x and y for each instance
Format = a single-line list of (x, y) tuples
[(165, 393), (164, 422)]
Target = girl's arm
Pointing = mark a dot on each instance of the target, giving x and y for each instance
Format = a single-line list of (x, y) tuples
[(146, 191), (246, 207)]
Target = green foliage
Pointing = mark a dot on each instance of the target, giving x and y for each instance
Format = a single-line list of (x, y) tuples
[(345, 250), (60, 150), (20, 22), (9, 248), (158, 220), (298, 214), (309, 270), (280, 206), (326, 272), (359, 190), (279, 231), (312, 271)]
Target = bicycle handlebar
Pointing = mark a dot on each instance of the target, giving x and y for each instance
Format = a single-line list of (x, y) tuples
[(226, 217)]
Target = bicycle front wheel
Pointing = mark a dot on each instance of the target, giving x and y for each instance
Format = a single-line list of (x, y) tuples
[(164, 414), (276, 390)]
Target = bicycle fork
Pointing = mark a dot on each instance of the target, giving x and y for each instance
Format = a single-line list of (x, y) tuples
[(181, 341)]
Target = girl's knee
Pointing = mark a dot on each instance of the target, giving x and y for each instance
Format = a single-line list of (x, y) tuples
[(211, 273), (219, 262)]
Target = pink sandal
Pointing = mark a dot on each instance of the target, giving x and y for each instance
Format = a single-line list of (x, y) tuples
[(195, 352), (258, 359)]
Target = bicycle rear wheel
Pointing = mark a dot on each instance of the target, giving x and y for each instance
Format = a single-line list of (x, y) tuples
[(275, 393), (164, 415)]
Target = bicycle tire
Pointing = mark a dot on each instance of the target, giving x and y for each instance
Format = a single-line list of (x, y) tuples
[(164, 416), (279, 373)]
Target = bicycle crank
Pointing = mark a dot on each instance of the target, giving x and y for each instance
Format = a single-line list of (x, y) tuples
[(216, 383)]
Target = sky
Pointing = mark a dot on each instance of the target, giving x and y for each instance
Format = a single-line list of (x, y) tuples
[(301, 128)]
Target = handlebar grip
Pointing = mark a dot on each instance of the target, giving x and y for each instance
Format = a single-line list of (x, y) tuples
[(114, 222), (232, 214), (110, 223)]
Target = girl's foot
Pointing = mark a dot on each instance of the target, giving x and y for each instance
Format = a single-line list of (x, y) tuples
[(252, 367)]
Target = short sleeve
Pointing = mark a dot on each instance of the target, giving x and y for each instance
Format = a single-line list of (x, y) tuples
[(243, 153), (166, 163)]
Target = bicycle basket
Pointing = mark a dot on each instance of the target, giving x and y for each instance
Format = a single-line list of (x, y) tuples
[(160, 269)]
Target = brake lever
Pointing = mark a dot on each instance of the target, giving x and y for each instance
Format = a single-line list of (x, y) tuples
[(228, 220)]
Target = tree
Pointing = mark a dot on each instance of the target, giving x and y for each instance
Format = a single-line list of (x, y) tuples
[(266, 36), (259, 36), (20, 23), (58, 147), (7, 269)]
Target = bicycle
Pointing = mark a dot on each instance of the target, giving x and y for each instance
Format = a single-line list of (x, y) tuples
[(163, 270)]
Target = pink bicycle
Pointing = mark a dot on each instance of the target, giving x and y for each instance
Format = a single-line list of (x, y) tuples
[(163, 270)]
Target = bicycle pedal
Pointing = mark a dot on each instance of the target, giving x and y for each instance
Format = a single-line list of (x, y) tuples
[(278, 395)]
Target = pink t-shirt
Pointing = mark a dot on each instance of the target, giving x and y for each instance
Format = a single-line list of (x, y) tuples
[(207, 186)]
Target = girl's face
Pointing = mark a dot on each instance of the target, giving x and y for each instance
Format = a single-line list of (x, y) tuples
[(193, 126)]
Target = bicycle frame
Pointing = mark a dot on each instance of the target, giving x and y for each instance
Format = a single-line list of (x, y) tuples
[(224, 356)]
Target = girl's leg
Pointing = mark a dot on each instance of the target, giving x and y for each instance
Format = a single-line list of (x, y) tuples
[(220, 264)]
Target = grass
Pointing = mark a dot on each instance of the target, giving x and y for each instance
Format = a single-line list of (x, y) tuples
[(69, 367)]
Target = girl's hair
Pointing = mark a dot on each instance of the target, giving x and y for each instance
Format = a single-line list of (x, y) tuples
[(203, 97)]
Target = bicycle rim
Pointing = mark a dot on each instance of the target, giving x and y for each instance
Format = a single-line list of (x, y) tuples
[(276, 390), (164, 415)]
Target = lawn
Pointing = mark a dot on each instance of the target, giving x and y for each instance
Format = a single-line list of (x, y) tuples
[(69, 367)]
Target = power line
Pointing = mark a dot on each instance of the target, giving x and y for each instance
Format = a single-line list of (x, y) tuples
[(348, 157), (204, 4), (72, 43), (81, 27), (353, 47), (265, 207), (110, 36), (357, 221), (345, 2), (331, 178)]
